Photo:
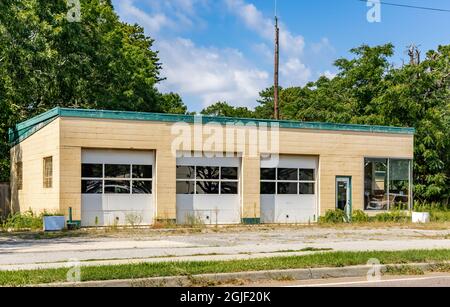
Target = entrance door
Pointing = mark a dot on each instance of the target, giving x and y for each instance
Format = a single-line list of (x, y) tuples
[(344, 195)]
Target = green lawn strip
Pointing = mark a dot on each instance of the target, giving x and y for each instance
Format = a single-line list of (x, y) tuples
[(146, 270)]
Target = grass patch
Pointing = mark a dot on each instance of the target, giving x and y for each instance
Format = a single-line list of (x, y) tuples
[(146, 270), (403, 270)]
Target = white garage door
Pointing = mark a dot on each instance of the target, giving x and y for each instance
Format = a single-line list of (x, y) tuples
[(117, 188), (208, 191), (289, 191)]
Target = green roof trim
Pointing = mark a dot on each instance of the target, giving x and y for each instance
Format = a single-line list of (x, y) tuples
[(27, 128)]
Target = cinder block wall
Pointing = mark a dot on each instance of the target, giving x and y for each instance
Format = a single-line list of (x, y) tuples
[(340, 153), (31, 152)]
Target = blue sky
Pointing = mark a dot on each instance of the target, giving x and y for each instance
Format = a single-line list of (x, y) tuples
[(222, 50)]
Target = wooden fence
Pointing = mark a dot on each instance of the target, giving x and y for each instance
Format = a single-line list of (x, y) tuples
[(5, 200)]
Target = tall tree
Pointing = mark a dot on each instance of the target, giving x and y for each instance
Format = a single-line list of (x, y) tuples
[(51, 55), (173, 104), (223, 109), (369, 90)]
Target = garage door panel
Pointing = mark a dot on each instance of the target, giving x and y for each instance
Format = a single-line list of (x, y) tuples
[(93, 218), (117, 156), (292, 162), (129, 217), (93, 202), (209, 209), (220, 203), (127, 202), (290, 208), (267, 209), (117, 209), (295, 209)]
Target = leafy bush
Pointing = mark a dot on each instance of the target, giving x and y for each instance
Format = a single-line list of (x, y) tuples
[(438, 213), (440, 216), (23, 221), (333, 217), (393, 217), (360, 216)]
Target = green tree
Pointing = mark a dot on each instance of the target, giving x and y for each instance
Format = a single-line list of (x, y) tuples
[(173, 104), (48, 60), (369, 90), (225, 110)]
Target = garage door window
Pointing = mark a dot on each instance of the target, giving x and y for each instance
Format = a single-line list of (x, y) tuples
[(116, 179), (207, 180), (287, 181)]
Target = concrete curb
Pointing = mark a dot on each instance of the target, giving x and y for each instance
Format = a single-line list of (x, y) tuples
[(217, 279)]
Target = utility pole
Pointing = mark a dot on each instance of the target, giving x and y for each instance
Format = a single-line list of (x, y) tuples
[(276, 70)]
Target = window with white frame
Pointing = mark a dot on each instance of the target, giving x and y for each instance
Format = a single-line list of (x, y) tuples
[(116, 179), (288, 181), (212, 180)]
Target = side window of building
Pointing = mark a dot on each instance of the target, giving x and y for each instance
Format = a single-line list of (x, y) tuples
[(48, 173), (19, 175)]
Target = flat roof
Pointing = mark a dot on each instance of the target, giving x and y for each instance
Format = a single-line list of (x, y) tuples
[(27, 128)]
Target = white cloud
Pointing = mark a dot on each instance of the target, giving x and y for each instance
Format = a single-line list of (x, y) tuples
[(323, 45), (210, 73), (152, 23), (330, 75), (165, 14), (295, 72), (292, 70)]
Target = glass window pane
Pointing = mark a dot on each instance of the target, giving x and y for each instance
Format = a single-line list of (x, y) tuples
[(207, 172), (207, 187), (375, 184), (307, 175), (230, 173), (287, 174), (185, 187), (287, 188), (142, 187), (92, 170), (117, 171), (48, 173), (307, 189), (399, 184), (268, 173), (268, 188), (185, 172), (91, 187), (19, 175), (143, 171), (229, 188), (117, 187)]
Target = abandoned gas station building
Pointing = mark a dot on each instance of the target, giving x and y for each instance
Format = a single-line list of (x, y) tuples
[(111, 167)]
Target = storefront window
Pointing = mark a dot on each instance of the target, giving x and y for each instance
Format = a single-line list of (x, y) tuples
[(386, 184), (399, 183)]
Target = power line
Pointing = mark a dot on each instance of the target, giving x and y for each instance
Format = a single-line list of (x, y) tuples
[(411, 6)]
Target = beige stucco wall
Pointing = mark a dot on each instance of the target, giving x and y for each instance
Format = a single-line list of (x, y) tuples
[(31, 152), (340, 154)]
